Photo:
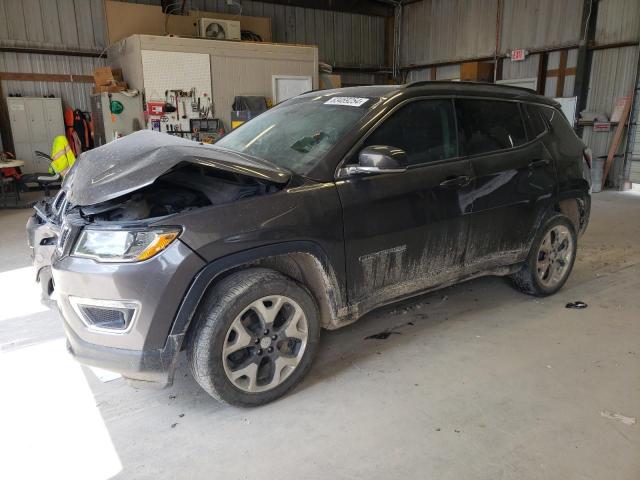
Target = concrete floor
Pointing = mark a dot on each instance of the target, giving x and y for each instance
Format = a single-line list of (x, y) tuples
[(481, 382)]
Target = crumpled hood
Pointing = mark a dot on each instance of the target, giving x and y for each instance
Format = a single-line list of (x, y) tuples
[(137, 160)]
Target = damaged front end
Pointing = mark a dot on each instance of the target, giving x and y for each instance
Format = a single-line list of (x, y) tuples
[(138, 180), (109, 249)]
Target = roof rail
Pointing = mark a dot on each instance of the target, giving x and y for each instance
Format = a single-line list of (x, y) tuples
[(423, 83)]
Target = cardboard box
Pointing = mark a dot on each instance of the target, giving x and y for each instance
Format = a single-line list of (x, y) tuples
[(104, 76), (476, 72), (115, 88), (330, 81)]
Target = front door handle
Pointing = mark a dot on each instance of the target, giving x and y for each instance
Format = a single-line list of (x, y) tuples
[(539, 163), (455, 182)]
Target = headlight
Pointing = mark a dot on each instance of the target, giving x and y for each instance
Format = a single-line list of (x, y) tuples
[(123, 245)]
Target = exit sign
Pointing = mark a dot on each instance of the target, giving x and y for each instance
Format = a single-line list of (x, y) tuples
[(518, 54)]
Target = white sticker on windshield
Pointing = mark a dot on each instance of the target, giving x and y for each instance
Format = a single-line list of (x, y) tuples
[(349, 101)]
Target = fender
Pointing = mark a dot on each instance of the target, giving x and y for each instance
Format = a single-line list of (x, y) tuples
[(205, 277)]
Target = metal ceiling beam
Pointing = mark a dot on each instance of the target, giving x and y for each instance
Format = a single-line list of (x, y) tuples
[(364, 7)]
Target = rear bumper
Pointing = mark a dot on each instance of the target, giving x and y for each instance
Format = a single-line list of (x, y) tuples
[(155, 367)]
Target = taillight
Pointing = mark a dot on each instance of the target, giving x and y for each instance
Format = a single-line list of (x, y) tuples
[(587, 156)]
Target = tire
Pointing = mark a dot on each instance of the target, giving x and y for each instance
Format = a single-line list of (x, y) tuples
[(534, 279), (253, 317)]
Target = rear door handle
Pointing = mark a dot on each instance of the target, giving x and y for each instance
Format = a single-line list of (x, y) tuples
[(455, 182), (539, 163)]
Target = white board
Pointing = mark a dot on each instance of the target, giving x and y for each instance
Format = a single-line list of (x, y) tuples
[(288, 86), (568, 105)]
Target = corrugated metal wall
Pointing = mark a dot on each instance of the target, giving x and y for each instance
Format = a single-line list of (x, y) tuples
[(448, 30), (612, 76), (634, 144), (75, 24), (342, 38), (539, 23), (54, 24), (613, 72), (618, 21), (443, 30)]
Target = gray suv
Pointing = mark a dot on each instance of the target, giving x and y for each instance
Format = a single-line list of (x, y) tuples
[(312, 214)]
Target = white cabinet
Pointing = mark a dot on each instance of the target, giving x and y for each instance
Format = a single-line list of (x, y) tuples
[(35, 122)]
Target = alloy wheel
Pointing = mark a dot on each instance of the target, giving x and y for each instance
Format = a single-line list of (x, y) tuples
[(554, 256), (265, 343)]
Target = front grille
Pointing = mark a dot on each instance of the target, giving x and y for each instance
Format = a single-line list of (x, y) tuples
[(106, 317)]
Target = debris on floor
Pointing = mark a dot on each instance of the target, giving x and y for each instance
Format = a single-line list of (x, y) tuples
[(576, 305), (382, 335), (616, 416)]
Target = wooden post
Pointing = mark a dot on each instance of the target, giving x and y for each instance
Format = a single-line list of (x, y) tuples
[(617, 137), (562, 72), (542, 72)]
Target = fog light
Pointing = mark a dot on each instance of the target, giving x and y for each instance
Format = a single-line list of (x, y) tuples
[(106, 316)]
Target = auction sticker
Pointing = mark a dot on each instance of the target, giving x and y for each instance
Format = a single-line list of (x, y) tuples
[(348, 101)]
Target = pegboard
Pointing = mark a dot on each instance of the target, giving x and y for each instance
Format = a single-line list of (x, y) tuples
[(163, 70)]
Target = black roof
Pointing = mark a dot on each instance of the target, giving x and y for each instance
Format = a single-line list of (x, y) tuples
[(449, 88)]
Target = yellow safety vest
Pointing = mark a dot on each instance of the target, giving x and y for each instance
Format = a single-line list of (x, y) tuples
[(62, 156)]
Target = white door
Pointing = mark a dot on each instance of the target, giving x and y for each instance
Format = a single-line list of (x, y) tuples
[(53, 117), (38, 130), (18, 119), (288, 86)]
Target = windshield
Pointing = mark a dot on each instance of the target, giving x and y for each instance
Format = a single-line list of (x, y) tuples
[(296, 135)]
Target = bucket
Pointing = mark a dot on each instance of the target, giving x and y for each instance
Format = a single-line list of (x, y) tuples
[(597, 168)]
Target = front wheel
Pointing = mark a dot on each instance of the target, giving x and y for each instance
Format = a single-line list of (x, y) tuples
[(255, 337), (550, 260)]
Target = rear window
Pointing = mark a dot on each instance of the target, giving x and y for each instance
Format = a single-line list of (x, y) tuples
[(489, 125), (533, 118), (557, 121)]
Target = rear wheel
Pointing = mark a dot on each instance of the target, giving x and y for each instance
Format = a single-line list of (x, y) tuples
[(550, 260), (255, 337)]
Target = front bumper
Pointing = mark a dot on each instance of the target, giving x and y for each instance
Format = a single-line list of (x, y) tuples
[(42, 238), (147, 351), (153, 366)]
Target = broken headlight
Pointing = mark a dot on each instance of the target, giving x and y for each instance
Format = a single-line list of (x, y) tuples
[(123, 245)]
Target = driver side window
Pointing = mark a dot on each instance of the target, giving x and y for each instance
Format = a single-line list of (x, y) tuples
[(424, 129)]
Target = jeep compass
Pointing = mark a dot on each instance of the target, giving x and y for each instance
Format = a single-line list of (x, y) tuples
[(327, 206)]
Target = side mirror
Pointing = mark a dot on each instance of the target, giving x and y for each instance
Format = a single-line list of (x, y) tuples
[(380, 159)]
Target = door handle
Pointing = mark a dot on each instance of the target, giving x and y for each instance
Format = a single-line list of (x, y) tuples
[(455, 182), (539, 163)]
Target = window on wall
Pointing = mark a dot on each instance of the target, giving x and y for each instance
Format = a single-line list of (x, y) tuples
[(424, 129), (489, 125)]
